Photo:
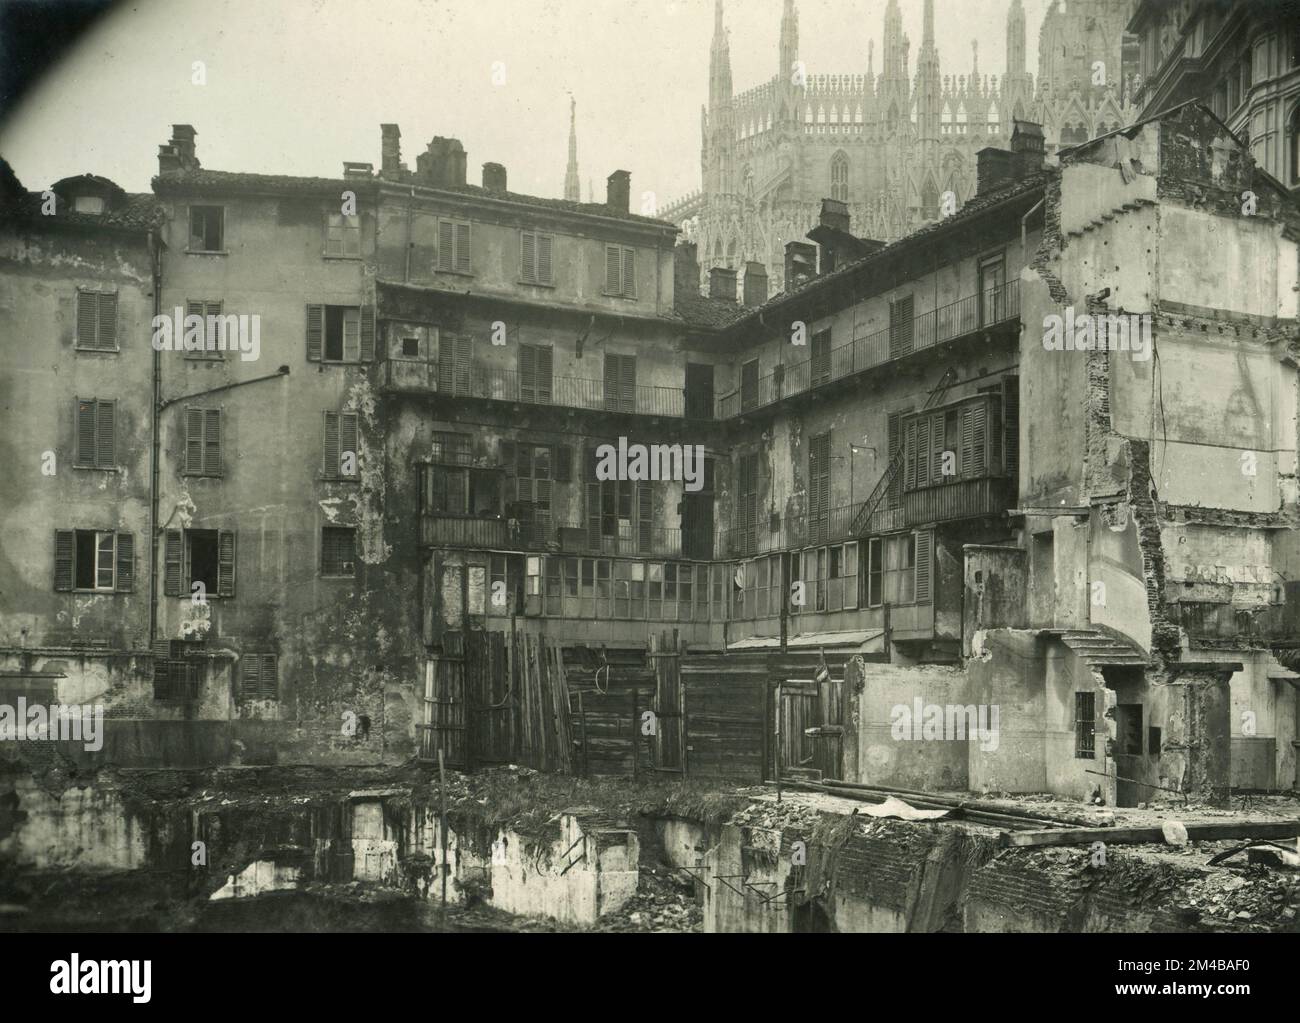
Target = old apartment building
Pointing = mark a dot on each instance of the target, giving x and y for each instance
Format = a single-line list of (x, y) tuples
[(385, 449)]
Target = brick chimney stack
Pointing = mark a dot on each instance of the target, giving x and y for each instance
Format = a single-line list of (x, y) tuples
[(390, 150), (178, 154), (722, 283), (755, 284), (494, 177), (618, 191)]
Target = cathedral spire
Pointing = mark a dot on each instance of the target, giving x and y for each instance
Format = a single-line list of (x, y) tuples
[(572, 186), (1016, 39), (789, 40), (926, 97), (719, 62)]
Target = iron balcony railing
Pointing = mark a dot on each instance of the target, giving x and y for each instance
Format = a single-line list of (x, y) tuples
[(965, 316), (539, 532), (808, 531), (961, 499), (492, 383)]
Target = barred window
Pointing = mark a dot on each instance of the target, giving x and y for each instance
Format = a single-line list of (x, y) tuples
[(338, 550), (1085, 726)]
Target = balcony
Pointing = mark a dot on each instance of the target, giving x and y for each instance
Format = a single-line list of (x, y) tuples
[(823, 528), (1223, 624), (963, 499), (492, 383), (541, 534), (969, 315)]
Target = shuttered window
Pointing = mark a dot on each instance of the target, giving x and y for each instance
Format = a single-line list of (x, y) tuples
[(337, 333), (211, 340), (202, 442), (342, 451), (821, 357), (970, 433), (620, 382), (895, 437), (747, 504), (97, 321), (259, 677), (338, 552), (900, 569), (974, 440), (453, 246), (101, 561), (96, 429), (620, 271), (819, 487), (1011, 424), (453, 364), (205, 556), (749, 385), (535, 373), (900, 327), (535, 257), (343, 235)]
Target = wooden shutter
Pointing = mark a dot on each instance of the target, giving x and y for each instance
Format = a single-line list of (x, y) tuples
[(527, 372), (973, 439), (1011, 423), (629, 273), (173, 551), (85, 431), (894, 431), (367, 333), (251, 667), (923, 451), (194, 441), (937, 449), (909, 448), (544, 265), (645, 511), (107, 334), (270, 687), (446, 244), (125, 562), (462, 248), (87, 318), (613, 270), (544, 371), (225, 563), (528, 255), (212, 442), (593, 497), (563, 456), (821, 357), (924, 565), (315, 332), (65, 551), (627, 383), (332, 451), (349, 440), (818, 486), (506, 457)]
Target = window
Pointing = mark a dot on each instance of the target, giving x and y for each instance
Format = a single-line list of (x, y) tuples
[(199, 561), (535, 373), (969, 433), (749, 385), (202, 442), (451, 449), (93, 560), (342, 449), (410, 348), (900, 327), (840, 177), (343, 235), (620, 382), (259, 677), (498, 583), (447, 490), (95, 433), (207, 229), (620, 271), (338, 550), (747, 504), (899, 569), (453, 246), (535, 257), (993, 293), (819, 487), (830, 576), (213, 342), (337, 333), (175, 676), (454, 368), (1085, 726), (97, 321), (93, 204), (821, 357)]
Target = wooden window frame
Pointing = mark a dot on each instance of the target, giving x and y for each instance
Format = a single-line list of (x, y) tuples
[(211, 421), (342, 572), (342, 227), (338, 424), (121, 551), (190, 236), (626, 261), (531, 244), (97, 443), (459, 257), (255, 668)]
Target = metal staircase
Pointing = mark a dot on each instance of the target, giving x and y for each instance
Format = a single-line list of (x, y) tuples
[(862, 521)]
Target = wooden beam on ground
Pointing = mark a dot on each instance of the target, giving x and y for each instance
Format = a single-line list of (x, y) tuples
[(1129, 836)]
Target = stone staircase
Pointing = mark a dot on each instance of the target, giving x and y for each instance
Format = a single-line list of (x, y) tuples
[(1105, 218), (1101, 649)]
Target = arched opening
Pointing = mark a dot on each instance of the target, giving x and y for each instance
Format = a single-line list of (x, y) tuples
[(840, 177)]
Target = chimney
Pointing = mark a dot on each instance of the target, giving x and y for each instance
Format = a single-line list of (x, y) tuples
[(351, 169), (835, 215), (494, 177), (178, 154), (618, 191), (722, 283), (992, 168), (755, 285), (442, 164), (800, 264), (391, 150), (686, 269), (1027, 152)]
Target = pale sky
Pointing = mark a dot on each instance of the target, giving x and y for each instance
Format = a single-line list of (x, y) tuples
[(299, 86)]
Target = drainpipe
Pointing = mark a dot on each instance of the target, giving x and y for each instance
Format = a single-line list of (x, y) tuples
[(410, 212), (1024, 231), (155, 252)]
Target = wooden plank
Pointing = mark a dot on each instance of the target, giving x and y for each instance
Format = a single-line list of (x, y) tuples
[(1117, 836)]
